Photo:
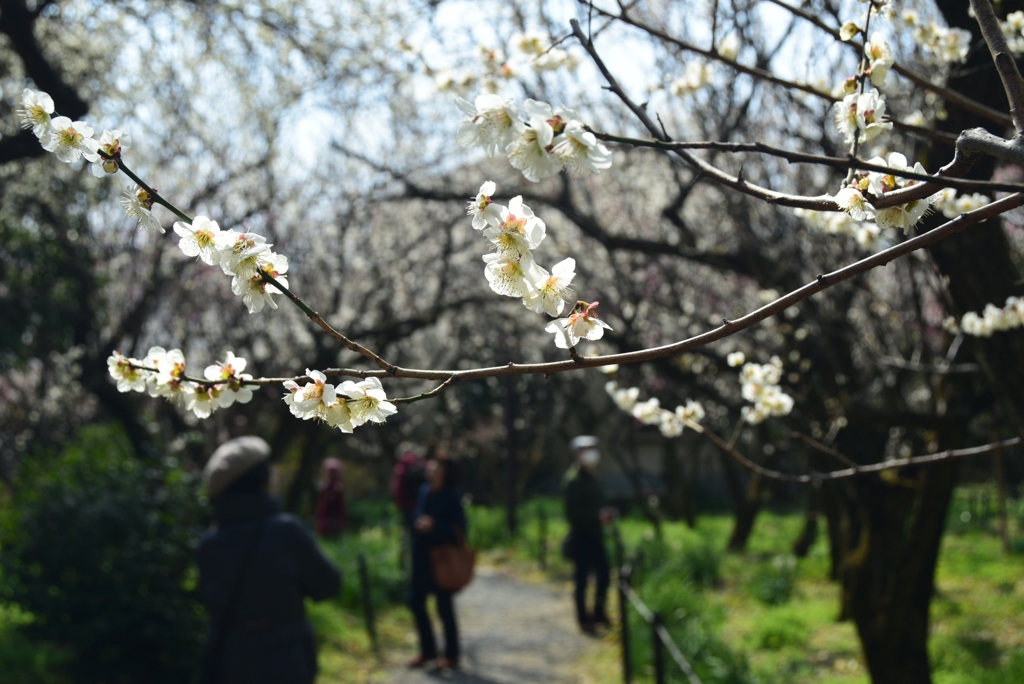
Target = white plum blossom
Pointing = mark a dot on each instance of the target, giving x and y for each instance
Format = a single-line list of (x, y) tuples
[(201, 399), (735, 359), (36, 108), (695, 76), (518, 230), (760, 387), (852, 201), (530, 42), (580, 151), (170, 372), (229, 374), (861, 117), (624, 397), (312, 399), (138, 204), (69, 140), (952, 205), (123, 370), (866, 233), (510, 276), (493, 123), (551, 290), (111, 144), (199, 239), (531, 152), (483, 209), (730, 47), (367, 401), (648, 412), (904, 216), (880, 58), (241, 254), (581, 324), (992, 319), (255, 291)]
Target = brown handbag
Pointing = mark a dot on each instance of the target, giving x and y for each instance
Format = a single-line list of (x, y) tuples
[(452, 565)]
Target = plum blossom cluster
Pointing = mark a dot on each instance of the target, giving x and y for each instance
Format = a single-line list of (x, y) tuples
[(992, 319), (540, 146), (1013, 31), (760, 386), (866, 233), (70, 140), (670, 423), (695, 76), (855, 197), (860, 117), (942, 43), (877, 54), (345, 406), (542, 55), (161, 373), (952, 204), (511, 270), (246, 257)]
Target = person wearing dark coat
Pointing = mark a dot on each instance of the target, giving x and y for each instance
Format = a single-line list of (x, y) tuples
[(256, 566), (330, 501), (438, 519), (585, 511)]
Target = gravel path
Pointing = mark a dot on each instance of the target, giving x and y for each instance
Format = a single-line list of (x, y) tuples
[(512, 633)]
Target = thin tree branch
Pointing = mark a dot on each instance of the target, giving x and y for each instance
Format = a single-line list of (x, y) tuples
[(1013, 84), (822, 282), (948, 94), (853, 471)]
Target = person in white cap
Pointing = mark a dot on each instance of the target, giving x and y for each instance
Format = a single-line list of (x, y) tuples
[(256, 567), (585, 511)]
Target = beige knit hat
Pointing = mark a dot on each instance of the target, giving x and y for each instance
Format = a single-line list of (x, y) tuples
[(231, 460)]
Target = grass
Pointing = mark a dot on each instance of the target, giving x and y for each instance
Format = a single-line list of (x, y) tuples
[(754, 617), (774, 618)]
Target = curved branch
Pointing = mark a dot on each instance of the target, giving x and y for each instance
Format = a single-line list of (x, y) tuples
[(822, 282), (853, 471)]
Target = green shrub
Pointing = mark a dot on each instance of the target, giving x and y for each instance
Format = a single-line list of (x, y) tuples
[(776, 631), (775, 580), (99, 549)]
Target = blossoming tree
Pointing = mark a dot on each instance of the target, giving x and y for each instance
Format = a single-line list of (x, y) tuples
[(883, 206)]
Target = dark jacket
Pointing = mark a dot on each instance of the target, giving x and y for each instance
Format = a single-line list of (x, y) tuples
[(450, 527), (268, 639), (583, 503)]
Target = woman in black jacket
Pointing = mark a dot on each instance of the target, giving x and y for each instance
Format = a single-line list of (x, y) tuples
[(438, 519), (256, 566)]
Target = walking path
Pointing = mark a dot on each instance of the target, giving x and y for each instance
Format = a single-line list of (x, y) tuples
[(512, 633)]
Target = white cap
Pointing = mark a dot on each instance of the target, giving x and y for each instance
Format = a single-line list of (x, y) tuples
[(582, 442), (231, 460)]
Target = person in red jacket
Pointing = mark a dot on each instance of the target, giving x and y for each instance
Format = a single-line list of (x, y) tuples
[(330, 503)]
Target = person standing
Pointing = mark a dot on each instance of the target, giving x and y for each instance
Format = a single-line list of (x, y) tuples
[(586, 514), (438, 519), (330, 501), (256, 567)]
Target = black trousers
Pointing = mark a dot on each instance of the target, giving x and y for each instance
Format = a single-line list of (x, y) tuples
[(589, 556), (446, 611)]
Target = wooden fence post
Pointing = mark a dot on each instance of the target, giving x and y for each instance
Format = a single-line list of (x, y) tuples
[(624, 577), (659, 649), (543, 541)]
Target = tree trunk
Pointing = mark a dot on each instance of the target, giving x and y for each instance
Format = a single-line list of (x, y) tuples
[(746, 502)]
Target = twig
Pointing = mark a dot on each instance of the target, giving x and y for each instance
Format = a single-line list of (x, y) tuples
[(806, 158), (856, 470), (947, 94), (426, 395), (1013, 84)]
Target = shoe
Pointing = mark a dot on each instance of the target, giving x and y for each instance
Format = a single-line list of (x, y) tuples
[(588, 627), (420, 661), (446, 664), (602, 620)]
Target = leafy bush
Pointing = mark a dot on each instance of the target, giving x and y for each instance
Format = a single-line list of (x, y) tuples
[(774, 581), (99, 549), (776, 631)]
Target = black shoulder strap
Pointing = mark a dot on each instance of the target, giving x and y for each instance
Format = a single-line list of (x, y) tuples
[(212, 656)]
